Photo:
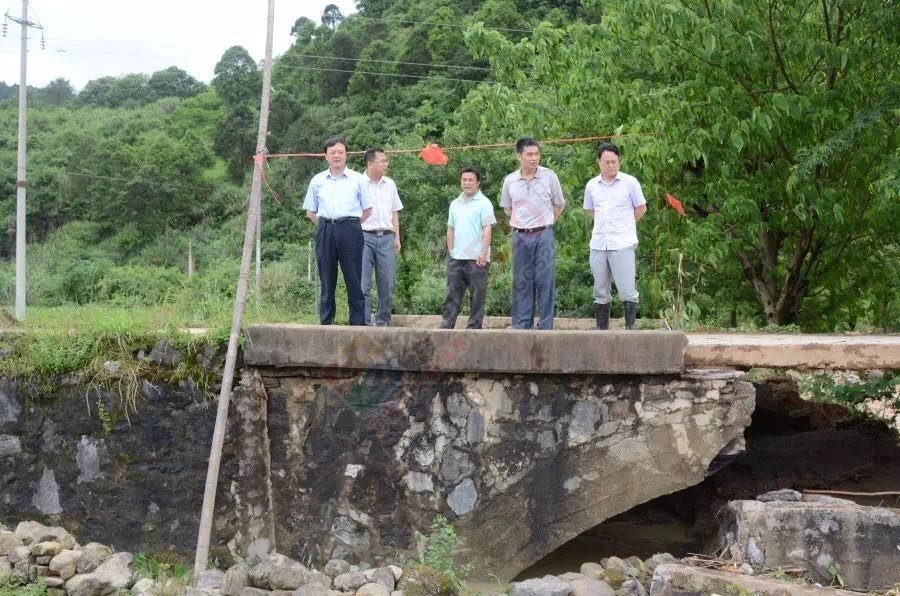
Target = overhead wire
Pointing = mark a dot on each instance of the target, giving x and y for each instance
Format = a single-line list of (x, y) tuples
[(504, 144), (34, 12), (431, 65), (140, 180), (389, 74), (123, 42), (434, 24)]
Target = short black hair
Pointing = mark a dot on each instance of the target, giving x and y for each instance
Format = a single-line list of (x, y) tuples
[(471, 170), (334, 141), (370, 154), (522, 143), (607, 147)]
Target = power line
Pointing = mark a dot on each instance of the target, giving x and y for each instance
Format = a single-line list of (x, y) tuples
[(140, 180), (433, 24), (386, 61), (390, 74), (123, 42)]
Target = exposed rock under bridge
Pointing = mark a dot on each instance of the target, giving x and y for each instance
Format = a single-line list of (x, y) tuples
[(349, 440)]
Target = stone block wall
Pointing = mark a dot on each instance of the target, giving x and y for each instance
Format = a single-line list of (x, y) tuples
[(519, 463), (323, 463), (135, 485)]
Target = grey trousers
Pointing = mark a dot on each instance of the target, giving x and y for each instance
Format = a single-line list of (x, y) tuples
[(462, 274), (534, 281), (379, 257), (617, 265)]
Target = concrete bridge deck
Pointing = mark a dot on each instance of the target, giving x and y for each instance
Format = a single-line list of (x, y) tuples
[(416, 343)]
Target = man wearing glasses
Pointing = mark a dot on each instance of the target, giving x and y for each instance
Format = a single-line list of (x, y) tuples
[(381, 237), (615, 201)]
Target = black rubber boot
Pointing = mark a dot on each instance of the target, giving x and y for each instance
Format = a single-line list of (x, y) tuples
[(602, 312), (630, 314)]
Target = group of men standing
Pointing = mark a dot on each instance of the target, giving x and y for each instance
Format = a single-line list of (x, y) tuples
[(358, 227)]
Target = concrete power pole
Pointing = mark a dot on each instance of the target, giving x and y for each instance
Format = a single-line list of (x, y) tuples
[(21, 183), (240, 303)]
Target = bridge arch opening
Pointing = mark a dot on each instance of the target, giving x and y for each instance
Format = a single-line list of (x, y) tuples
[(791, 443)]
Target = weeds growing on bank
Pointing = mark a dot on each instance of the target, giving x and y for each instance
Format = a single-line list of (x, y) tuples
[(68, 339), (170, 578), (11, 586), (440, 550), (106, 347), (825, 388)]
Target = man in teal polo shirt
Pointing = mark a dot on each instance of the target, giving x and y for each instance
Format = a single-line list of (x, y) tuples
[(469, 243)]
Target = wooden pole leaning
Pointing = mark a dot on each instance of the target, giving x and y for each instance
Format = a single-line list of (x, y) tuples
[(240, 303)]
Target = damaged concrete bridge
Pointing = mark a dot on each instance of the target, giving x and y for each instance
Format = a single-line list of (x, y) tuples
[(350, 440)]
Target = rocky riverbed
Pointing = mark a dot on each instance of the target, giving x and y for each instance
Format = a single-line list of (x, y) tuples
[(782, 543)]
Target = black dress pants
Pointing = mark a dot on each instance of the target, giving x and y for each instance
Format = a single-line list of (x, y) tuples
[(340, 242), (462, 274)]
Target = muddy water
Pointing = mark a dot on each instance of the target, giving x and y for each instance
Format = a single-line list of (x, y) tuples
[(790, 444)]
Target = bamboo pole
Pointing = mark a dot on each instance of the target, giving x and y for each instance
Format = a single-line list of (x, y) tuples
[(240, 302)]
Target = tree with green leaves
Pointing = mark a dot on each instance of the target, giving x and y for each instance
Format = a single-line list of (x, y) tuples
[(128, 90), (173, 82), (331, 16), (237, 77), (57, 92), (776, 123)]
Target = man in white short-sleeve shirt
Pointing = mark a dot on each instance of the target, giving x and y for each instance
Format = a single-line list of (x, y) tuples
[(616, 203), (381, 237)]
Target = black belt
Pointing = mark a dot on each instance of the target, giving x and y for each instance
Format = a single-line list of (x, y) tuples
[(531, 230), (379, 232), (336, 220)]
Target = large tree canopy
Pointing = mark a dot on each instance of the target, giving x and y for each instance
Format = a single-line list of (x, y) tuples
[(775, 122), (173, 82), (237, 77)]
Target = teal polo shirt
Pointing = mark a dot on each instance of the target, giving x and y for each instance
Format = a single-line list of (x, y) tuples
[(468, 218)]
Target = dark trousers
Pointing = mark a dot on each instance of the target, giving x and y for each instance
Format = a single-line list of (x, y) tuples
[(462, 274), (340, 243)]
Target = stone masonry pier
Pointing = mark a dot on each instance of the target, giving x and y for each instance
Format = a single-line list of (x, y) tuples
[(351, 440)]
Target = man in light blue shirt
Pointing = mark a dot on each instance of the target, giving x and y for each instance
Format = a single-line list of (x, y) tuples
[(616, 202), (336, 204), (469, 244)]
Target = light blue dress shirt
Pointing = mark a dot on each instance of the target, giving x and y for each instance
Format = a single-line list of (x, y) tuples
[(336, 196)]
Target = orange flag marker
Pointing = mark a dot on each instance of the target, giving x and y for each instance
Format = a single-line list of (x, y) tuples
[(675, 204), (432, 154)]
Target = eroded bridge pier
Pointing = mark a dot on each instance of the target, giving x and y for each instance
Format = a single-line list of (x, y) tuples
[(521, 439)]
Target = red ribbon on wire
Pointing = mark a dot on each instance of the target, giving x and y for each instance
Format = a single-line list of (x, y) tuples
[(675, 204), (434, 155)]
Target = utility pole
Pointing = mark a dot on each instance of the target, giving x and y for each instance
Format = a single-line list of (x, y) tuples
[(258, 257), (21, 183), (240, 302)]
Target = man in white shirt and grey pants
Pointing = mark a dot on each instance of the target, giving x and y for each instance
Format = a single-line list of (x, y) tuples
[(381, 237), (616, 203)]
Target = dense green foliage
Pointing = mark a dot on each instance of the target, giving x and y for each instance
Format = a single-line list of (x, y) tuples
[(775, 123)]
